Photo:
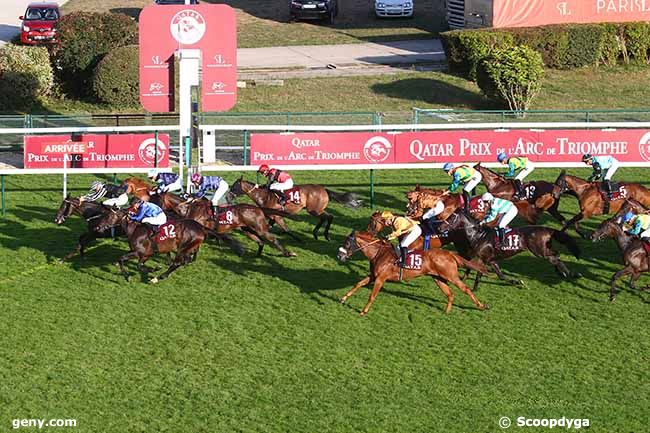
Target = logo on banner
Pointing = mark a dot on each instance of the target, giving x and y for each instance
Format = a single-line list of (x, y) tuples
[(377, 149), (147, 151), (644, 146), (188, 27)]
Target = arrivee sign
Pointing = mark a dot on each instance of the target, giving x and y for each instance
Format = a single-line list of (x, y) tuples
[(627, 145), (96, 151), (212, 29)]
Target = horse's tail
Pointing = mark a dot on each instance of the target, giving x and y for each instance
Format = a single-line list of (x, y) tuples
[(233, 244), (347, 199), (464, 263), (275, 212), (568, 241)]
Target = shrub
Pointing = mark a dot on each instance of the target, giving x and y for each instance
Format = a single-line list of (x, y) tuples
[(466, 48), (26, 76), (612, 45), (585, 45), (116, 79), (512, 76), (637, 40), (84, 38)]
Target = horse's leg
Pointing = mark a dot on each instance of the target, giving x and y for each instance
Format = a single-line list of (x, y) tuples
[(283, 226), (274, 241), (501, 275), (462, 286), (446, 290), (321, 219), (612, 289), (330, 218), (120, 263), (576, 225), (635, 276), (178, 262), (476, 281), (360, 284), (555, 213), (251, 234), (379, 283)]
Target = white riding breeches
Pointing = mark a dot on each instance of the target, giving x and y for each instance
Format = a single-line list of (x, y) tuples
[(176, 186), (277, 186), (508, 217), (525, 172), (120, 200), (473, 182), (611, 170), (158, 220), (645, 234), (219, 193), (411, 236), (435, 211)]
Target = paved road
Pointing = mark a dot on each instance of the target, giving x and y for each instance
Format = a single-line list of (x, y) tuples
[(9, 13)]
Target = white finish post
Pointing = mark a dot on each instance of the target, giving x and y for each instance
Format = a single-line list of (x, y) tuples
[(65, 175), (190, 61)]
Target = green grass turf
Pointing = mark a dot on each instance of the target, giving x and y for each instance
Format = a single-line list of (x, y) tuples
[(232, 344)]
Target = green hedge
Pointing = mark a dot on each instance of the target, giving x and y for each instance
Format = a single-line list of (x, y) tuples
[(84, 38), (116, 79), (26, 76), (561, 46)]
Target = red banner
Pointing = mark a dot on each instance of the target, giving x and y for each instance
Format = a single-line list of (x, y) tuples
[(530, 13), (96, 151), (562, 146)]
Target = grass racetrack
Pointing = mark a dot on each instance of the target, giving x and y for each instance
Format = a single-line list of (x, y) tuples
[(231, 344)]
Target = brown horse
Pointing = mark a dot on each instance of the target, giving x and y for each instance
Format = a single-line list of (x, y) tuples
[(91, 212), (420, 199), (138, 188), (313, 198), (442, 265), (635, 255), (185, 239), (252, 220), (591, 198)]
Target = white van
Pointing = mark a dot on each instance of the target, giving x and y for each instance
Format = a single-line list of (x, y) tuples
[(394, 8)]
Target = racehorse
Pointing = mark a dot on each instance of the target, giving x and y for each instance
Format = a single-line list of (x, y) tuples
[(442, 265), (91, 212), (536, 239), (313, 198), (539, 194), (591, 198), (183, 236), (138, 188), (636, 255), (420, 199)]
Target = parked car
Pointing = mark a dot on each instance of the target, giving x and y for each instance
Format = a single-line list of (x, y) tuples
[(394, 8), (176, 2), (314, 10), (39, 23)]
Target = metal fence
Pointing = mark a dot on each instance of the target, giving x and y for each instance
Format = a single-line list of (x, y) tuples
[(420, 115)]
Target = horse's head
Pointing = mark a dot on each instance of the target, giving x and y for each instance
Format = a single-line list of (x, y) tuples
[(236, 188), (348, 248), (458, 220), (376, 223), (606, 229), (112, 218), (561, 185), (68, 205)]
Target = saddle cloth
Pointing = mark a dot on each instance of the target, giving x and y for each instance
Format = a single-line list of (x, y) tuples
[(165, 232), (226, 215), (512, 240), (619, 192), (414, 260)]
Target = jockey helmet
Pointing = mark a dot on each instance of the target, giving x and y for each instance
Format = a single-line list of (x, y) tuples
[(387, 214), (272, 171), (586, 157), (628, 217), (487, 197), (196, 178), (152, 173), (448, 167), (97, 185), (263, 169), (502, 157)]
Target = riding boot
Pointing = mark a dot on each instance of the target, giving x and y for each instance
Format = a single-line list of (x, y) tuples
[(398, 252), (402, 257), (215, 211), (431, 224), (607, 186), (466, 198), (520, 194), (500, 234)]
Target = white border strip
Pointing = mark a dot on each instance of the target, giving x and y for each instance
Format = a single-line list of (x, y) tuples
[(64, 129)]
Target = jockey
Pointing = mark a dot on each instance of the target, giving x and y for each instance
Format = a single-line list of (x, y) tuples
[(640, 224), (147, 213), (463, 174), (116, 194), (499, 206), (167, 181), (278, 180), (402, 225), (429, 218), (600, 163), (210, 183), (515, 163)]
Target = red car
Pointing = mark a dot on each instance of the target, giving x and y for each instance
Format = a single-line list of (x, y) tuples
[(38, 23)]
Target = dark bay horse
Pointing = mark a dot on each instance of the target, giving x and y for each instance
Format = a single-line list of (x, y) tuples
[(591, 199), (313, 198), (539, 192), (536, 239), (185, 239), (442, 265), (91, 212), (635, 255)]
